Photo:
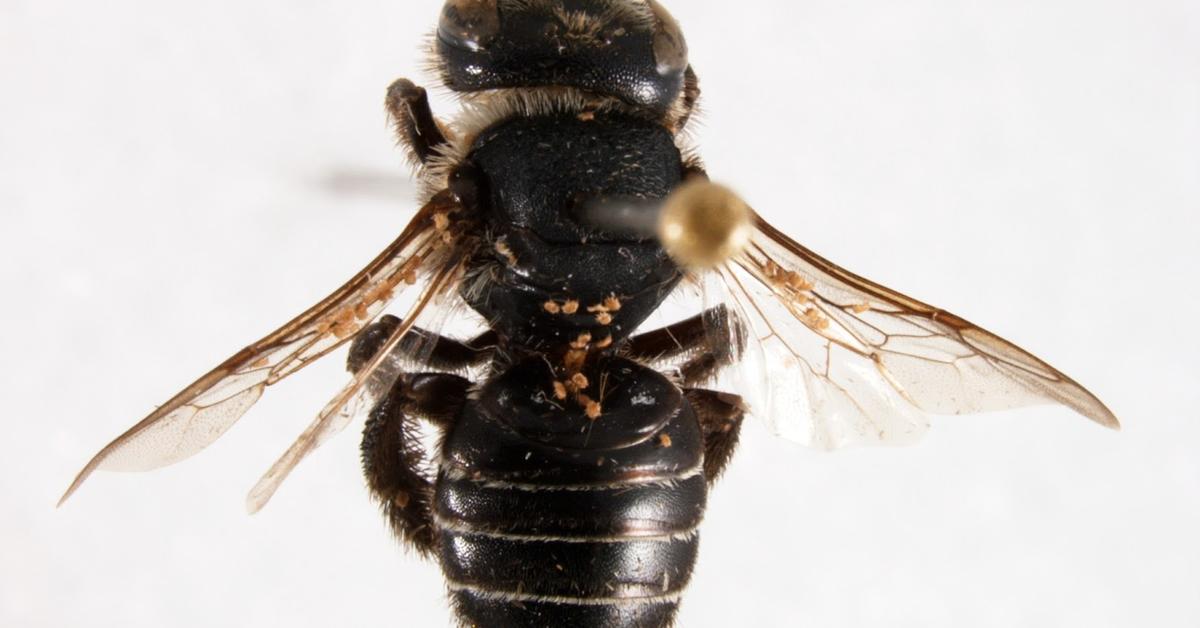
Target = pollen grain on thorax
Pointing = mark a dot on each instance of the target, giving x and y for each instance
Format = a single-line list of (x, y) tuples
[(582, 341), (610, 304), (506, 252), (574, 359)]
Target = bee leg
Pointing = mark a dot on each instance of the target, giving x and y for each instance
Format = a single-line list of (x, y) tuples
[(445, 354), (416, 128), (678, 339), (394, 459), (720, 415), (706, 340)]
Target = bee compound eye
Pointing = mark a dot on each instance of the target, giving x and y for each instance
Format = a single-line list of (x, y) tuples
[(670, 48), (469, 24)]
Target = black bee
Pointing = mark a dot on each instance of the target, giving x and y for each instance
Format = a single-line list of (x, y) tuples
[(564, 207)]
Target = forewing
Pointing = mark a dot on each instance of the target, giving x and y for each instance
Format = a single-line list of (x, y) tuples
[(852, 361), (202, 412), (373, 380)]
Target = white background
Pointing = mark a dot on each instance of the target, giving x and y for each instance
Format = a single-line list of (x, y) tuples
[(176, 178)]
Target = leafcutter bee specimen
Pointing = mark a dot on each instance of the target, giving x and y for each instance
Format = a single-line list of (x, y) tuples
[(563, 206)]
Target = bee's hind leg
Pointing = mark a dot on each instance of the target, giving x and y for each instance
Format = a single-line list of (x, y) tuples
[(395, 461), (720, 415), (416, 127)]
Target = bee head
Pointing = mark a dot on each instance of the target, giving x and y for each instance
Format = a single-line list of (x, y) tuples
[(628, 49)]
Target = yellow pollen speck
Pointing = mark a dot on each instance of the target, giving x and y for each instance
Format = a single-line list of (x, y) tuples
[(503, 250), (664, 440), (592, 410), (599, 307), (570, 307), (560, 391), (410, 277), (587, 116), (861, 307), (441, 222), (799, 283), (579, 380), (613, 303), (551, 307), (582, 341), (342, 326), (574, 360), (604, 318), (605, 343), (814, 319)]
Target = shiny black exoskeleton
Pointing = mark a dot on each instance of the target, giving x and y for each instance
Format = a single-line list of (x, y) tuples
[(570, 483)]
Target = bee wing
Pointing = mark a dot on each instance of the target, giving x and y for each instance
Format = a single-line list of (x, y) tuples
[(851, 361), (202, 412), (376, 377)]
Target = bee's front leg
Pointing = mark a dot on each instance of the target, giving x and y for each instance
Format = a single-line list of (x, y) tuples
[(416, 127)]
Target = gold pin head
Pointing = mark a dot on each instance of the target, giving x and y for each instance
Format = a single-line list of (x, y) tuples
[(703, 224)]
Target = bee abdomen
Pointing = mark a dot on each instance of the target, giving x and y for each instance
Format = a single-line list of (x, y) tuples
[(533, 611), (572, 537), (569, 557)]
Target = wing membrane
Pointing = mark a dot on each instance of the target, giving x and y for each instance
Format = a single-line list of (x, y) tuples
[(202, 412), (871, 361), (376, 375)]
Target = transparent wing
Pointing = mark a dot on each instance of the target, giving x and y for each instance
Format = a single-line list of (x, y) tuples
[(850, 361), (375, 378), (202, 412)]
